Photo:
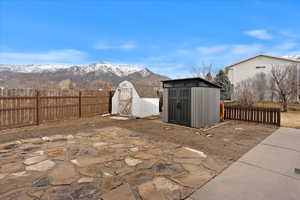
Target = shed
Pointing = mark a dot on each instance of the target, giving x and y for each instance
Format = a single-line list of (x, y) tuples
[(135, 100), (193, 102)]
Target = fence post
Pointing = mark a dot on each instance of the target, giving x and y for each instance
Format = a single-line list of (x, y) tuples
[(79, 104), (37, 107), (110, 101), (278, 117)]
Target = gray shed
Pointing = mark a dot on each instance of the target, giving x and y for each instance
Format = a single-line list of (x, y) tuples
[(193, 102)]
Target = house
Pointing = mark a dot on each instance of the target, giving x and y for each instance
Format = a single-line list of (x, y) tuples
[(135, 100), (193, 102), (248, 68)]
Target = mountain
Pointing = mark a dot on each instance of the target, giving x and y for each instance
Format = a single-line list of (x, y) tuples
[(294, 57), (42, 76)]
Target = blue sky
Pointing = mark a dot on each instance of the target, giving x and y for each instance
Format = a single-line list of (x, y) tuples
[(168, 36)]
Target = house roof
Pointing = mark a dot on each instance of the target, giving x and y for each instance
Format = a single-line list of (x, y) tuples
[(193, 79), (264, 55)]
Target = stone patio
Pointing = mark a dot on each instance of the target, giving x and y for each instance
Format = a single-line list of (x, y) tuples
[(109, 163)]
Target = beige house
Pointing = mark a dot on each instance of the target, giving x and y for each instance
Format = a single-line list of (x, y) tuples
[(248, 68)]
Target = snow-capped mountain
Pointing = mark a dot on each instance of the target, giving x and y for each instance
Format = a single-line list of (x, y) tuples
[(32, 68), (120, 70), (16, 76), (294, 57)]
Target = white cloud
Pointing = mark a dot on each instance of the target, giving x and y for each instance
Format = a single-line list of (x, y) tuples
[(259, 34), (183, 52), (244, 49), (127, 46), (124, 46), (71, 56), (289, 34), (212, 49), (287, 46)]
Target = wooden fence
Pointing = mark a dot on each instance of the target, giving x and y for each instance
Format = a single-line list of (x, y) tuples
[(22, 107), (253, 114)]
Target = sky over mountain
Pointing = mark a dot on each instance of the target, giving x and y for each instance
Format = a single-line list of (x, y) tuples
[(168, 36)]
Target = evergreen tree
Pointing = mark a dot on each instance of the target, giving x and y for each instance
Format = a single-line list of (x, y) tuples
[(209, 76), (222, 80)]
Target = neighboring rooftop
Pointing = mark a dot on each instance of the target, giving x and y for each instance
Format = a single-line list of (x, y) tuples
[(264, 55)]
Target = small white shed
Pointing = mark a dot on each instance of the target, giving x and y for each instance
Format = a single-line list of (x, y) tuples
[(135, 100)]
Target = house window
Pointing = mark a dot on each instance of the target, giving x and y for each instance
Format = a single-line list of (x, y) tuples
[(260, 67)]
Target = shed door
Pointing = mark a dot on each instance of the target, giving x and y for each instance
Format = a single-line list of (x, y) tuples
[(180, 106), (125, 101)]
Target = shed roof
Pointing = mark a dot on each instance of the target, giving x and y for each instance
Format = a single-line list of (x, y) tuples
[(146, 91), (194, 79)]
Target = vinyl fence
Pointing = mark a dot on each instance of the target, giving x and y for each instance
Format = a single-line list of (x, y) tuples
[(23, 107), (253, 114)]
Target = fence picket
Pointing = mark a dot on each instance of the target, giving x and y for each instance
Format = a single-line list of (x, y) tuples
[(22, 107), (253, 114)]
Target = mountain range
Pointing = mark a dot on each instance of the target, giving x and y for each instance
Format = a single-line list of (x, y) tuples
[(84, 76), (294, 57)]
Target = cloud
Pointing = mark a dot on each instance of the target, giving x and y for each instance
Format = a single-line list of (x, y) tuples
[(212, 49), (289, 34), (287, 46), (123, 46), (127, 46), (245, 49), (71, 56), (183, 52), (259, 34)]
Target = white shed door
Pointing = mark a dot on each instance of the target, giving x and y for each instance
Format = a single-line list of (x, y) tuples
[(125, 101)]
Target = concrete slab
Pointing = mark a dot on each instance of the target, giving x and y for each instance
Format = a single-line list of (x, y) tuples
[(276, 159), (267, 172), (286, 138), (242, 181)]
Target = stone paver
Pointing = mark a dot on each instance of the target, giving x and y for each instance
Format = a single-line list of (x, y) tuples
[(109, 163), (63, 174), (86, 161), (2, 176), (132, 162), (42, 166), (34, 160), (149, 192), (124, 192), (86, 180), (11, 168)]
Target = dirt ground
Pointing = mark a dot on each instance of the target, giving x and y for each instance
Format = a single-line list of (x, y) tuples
[(291, 119), (228, 142), (102, 158)]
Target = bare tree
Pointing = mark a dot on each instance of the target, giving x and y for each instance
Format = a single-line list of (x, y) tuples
[(260, 86), (106, 85), (204, 70), (285, 83), (94, 85), (243, 93)]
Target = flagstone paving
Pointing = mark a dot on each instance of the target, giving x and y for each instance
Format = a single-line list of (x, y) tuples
[(110, 163)]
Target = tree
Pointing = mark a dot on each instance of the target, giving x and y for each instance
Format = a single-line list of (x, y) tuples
[(222, 80), (203, 70), (260, 86), (94, 85), (106, 85), (243, 93), (208, 76), (285, 82), (67, 84)]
